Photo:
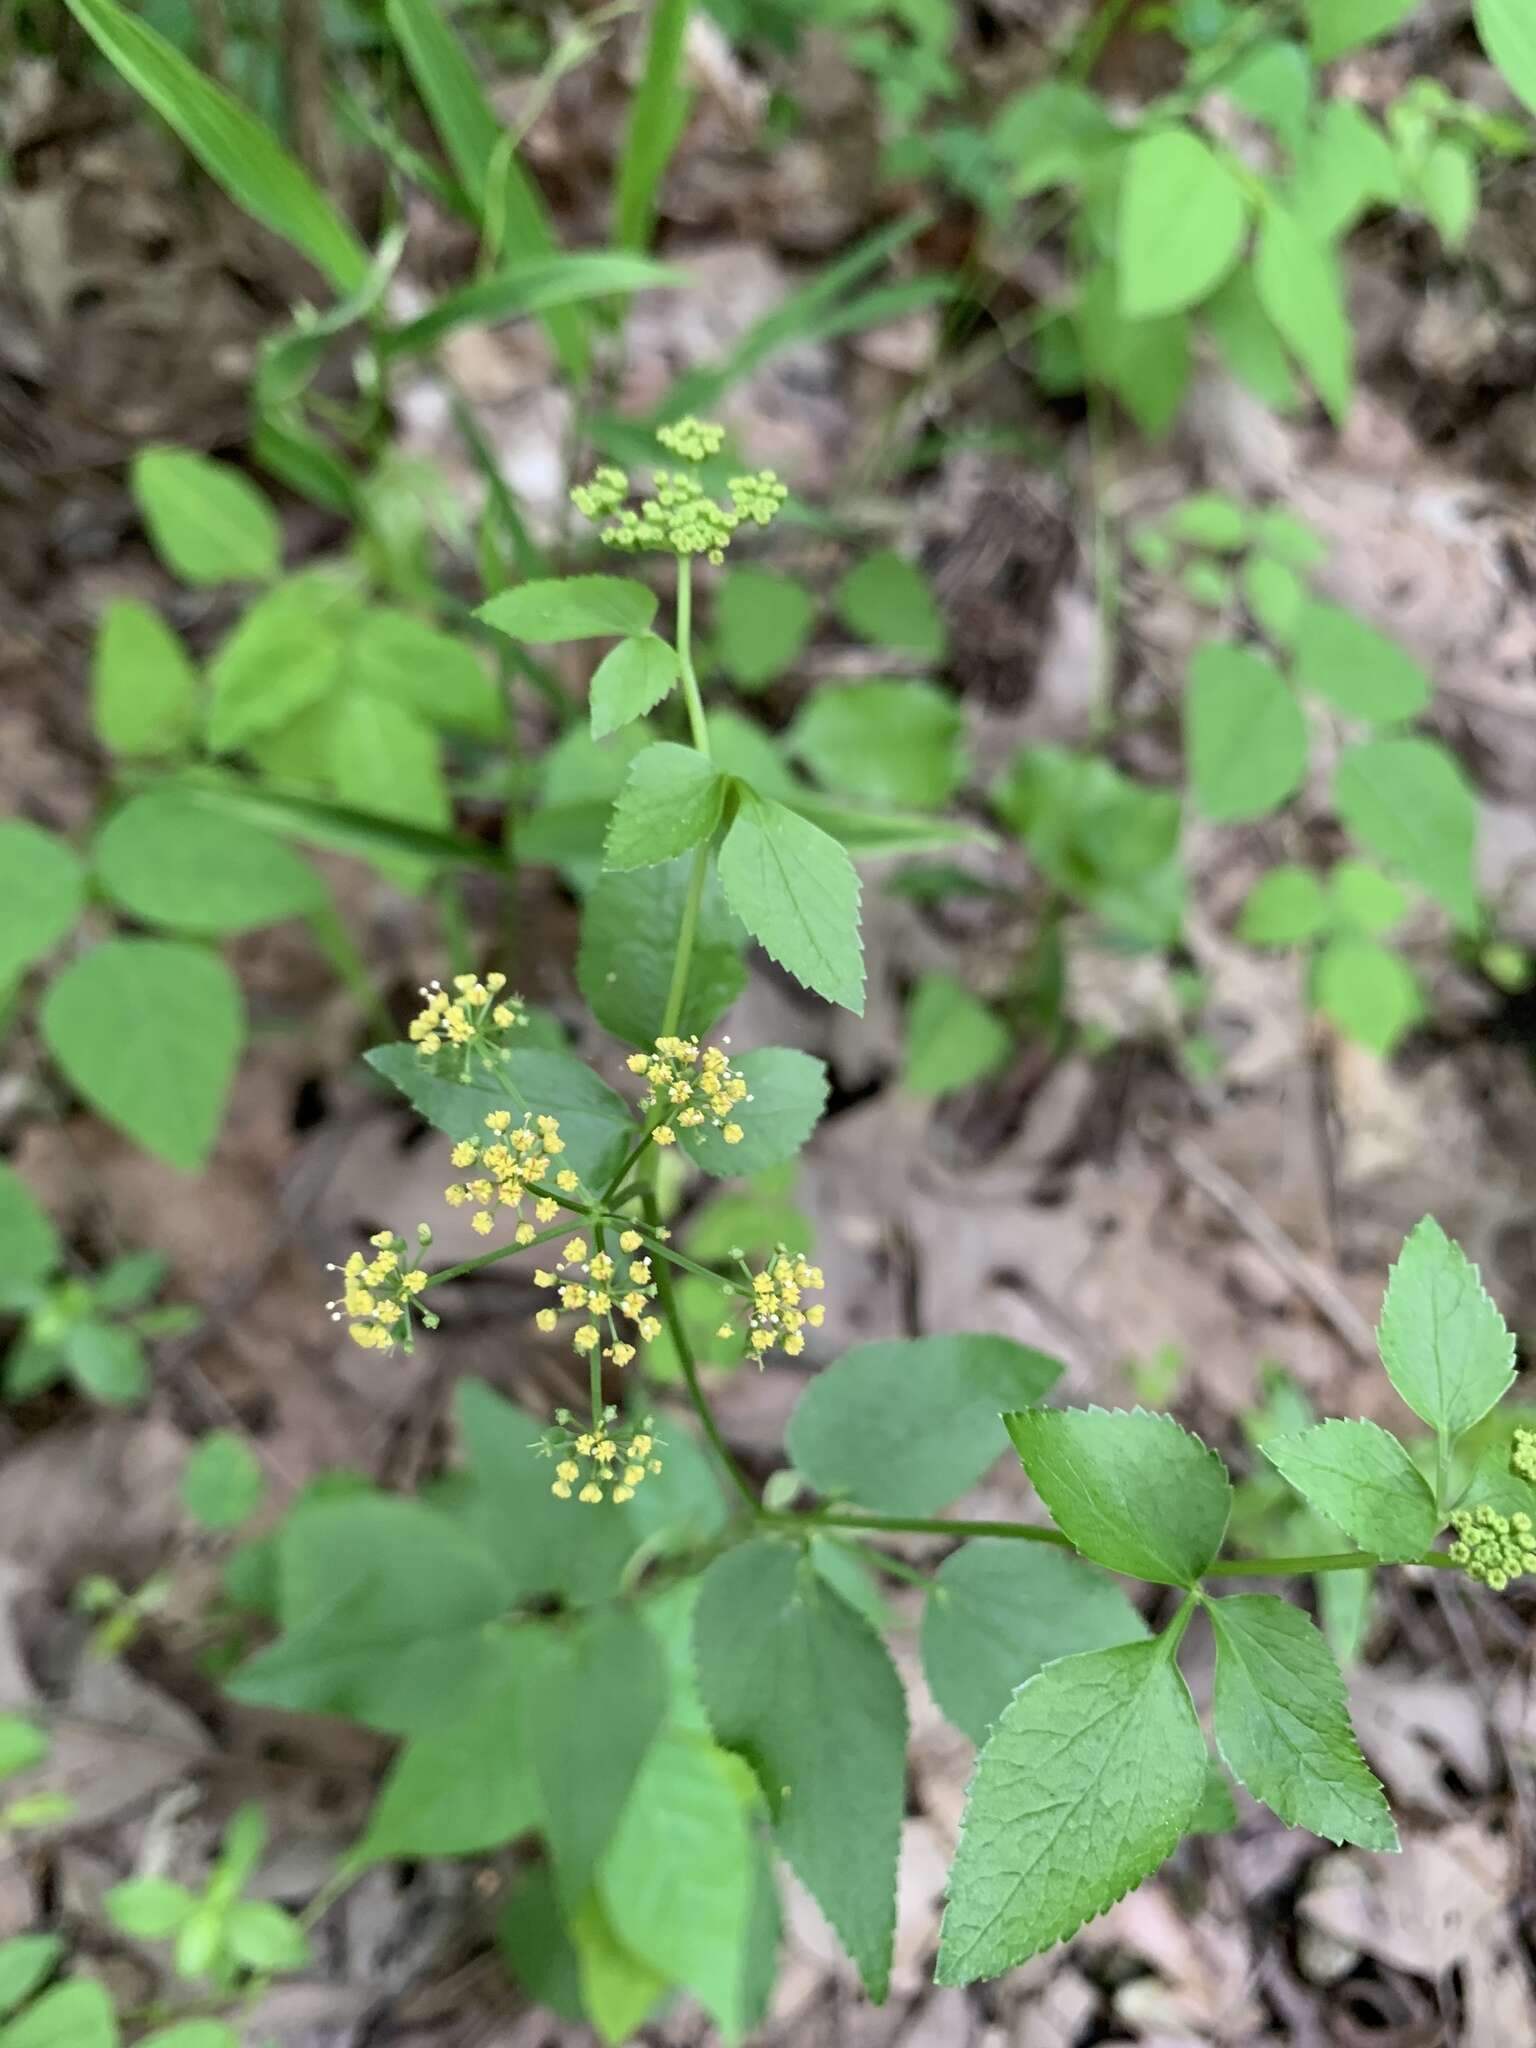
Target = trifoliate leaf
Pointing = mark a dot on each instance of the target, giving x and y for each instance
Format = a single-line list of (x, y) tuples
[(1360, 1477), (571, 608), (1446, 1348), (671, 800), (796, 891)]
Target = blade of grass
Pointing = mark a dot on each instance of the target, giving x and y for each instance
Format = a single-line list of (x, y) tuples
[(321, 822), (657, 118), (531, 287)]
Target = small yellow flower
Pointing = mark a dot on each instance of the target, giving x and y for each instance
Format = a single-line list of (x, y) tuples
[(664, 1135), (630, 1240), (591, 1494), (775, 1317), (547, 1320), (464, 1022), (379, 1295), (587, 1337)]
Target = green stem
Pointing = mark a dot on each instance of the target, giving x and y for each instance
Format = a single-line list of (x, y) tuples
[(696, 1395), (697, 723), (914, 1525), (687, 931), (1336, 1561)]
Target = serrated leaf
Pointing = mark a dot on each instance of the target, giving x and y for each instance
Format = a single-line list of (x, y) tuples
[(1133, 1491), (799, 1685), (886, 601), (1182, 217), (1368, 990), (1342, 659), (907, 1425), (1300, 288), (998, 1611), (889, 742), (222, 1483), (1244, 734), (144, 691), (671, 800), (1408, 801), (1285, 908), (1091, 1775), (629, 930), (787, 1092), (43, 891), (952, 1038), (168, 860), (571, 608), (761, 623), (1282, 1723), (630, 680), (1364, 1481), (1446, 1348), (796, 891), (1508, 34)]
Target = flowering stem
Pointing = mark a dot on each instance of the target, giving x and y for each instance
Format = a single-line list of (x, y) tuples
[(1337, 1561), (698, 874), (697, 723), (689, 1364)]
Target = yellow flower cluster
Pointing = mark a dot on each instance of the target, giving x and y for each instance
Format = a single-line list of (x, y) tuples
[(697, 1082), (379, 1294), (1491, 1547), (1522, 1455), (467, 1019), (599, 1288), (510, 1167), (601, 1463), (775, 1315), (679, 517)]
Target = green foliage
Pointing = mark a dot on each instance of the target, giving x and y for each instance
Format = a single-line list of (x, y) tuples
[(762, 622), (145, 698), (886, 601), (1360, 1477), (1339, 25), (466, 1785), (218, 1933), (795, 890), (631, 680), (1368, 991), (222, 1483), (1107, 842), (43, 891), (952, 1038), (25, 1963), (573, 608), (167, 860), (208, 523), (672, 800), (891, 743), (788, 1093), (629, 932), (1446, 1348), (1509, 36), (1182, 217), (1361, 671), (74, 2015), (1245, 737), (1299, 286), (1408, 801)]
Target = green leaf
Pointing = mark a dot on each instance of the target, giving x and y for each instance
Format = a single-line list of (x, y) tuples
[(1508, 34), (106, 1361), (149, 1031), (1282, 1723), (29, 1244), (1274, 83), (1408, 801), (1342, 659), (283, 656), (543, 284), (1276, 596), (1363, 1480), (787, 1094), (1288, 539), (671, 801), (537, 1947), (952, 1040), (906, 1426), (74, 2015), (192, 2034), (1249, 342), (1145, 363), (1244, 734), (169, 861), (867, 834), (1446, 1348), (466, 1786), (800, 1686), (1182, 219), (658, 114), (571, 608), (1301, 290), (1362, 899), (761, 623), (144, 693), (263, 1937), (618, 1990), (629, 930), (148, 1908), (890, 742), (222, 1483), (208, 522), (43, 892), (395, 655), (1132, 1491), (22, 1744), (386, 761), (1447, 190), (1211, 520), (1368, 991), (999, 1611), (1346, 167), (228, 141), (795, 890), (1217, 1812), (679, 1877), (24, 1963), (593, 1708), (1051, 134), (630, 680), (886, 601), (1086, 1783), (1335, 26), (1285, 908)]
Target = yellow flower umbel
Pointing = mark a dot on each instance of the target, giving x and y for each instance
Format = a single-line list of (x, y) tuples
[(509, 1167), (600, 1463), (379, 1296), (1493, 1548), (599, 1289), (777, 1317), (690, 1084), (470, 1021), (680, 517)]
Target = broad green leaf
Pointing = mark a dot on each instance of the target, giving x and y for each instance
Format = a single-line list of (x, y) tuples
[(74, 2015), (1244, 734), (630, 680), (1209, 585), (283, 656), (148, 1908), (1092, 1773), (795, 890), (1300, 288), (222, 1483), (886, 601), (760, 625), (170, 861), (671, 801), (1362, 899), (1145, 363), (891, 743), (1276, 596), (952, 1039), (209, 523), (618, 1990), (228, 141), (22, 1744), (1182, 218), (1446, 1348), (425, 671), (149, 1031), (1287, 539), (1212, 520), (1133, 1491), (1217, 1812), (1368, 990), (593, 1707), (1408, 801), (787, 1093), (1286, 908), (1051, 134), (1508, 34), (571, 608), (385, 760), (1274, 83), (321, 821), (867, 834), (907, 1425), (192, 2034), (1447, 190), (629, 930), (1249, 341), (1342, 659), (740, 747), (1363, 1480), (1335, 26), (29, 1244), (799, 1685), (106, 1361), (1282, 1723), (144, 690), (24, 1964), (264, 1937), (1346, 167), (1109, 842), (43, 892), (999, 1611), (679, 1876), (537, 1947)]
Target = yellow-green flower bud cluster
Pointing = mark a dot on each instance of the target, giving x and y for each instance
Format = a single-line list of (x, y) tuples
[(777, 1317), (601, 1463), (679, 517), (691, 1085), (1522, 1455), (508, 1169), (598, 1289), (472, 1019), (379, 1294), (1493, 1548)]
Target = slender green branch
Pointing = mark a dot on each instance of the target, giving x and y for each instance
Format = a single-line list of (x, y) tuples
[(696, 1394), (697, 724), (1335, 1561), (913, 1525), (687, 931)]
